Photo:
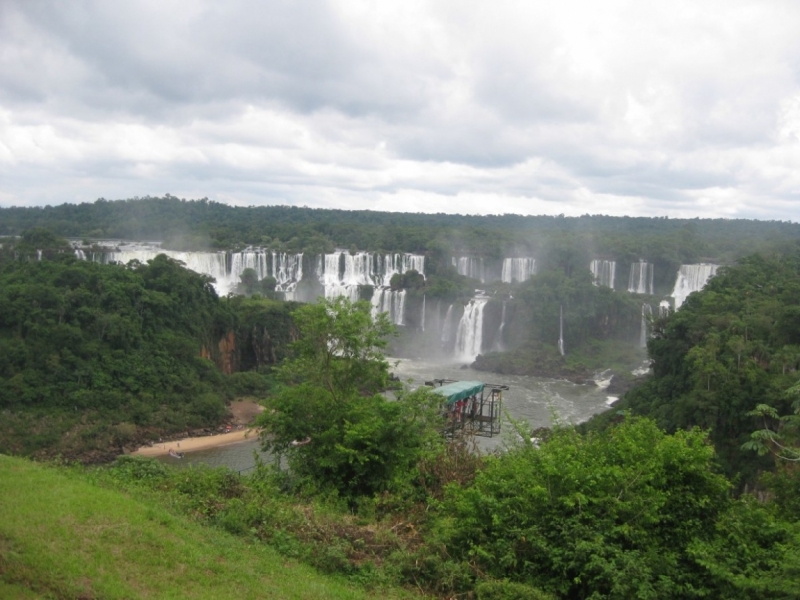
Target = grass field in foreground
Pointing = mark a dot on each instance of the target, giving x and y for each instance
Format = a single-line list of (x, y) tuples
[(62, 537)]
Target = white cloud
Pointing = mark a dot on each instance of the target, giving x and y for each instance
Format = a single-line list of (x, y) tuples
[(623, 107)]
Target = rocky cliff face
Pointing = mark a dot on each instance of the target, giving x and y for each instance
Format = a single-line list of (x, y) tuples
[(250, 348), (224, 355)]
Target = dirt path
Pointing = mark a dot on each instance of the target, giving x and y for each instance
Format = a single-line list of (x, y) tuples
[(245, 411)]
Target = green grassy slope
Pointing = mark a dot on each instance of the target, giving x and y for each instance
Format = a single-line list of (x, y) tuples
[(62, 537)]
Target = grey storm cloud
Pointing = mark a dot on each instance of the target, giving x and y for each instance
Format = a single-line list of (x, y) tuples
[(685, 109)]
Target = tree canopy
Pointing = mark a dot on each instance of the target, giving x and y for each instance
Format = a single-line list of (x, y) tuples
[(729, 348), (329, 418)]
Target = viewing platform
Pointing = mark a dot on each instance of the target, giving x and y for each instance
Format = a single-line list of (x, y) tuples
[(471, 406)]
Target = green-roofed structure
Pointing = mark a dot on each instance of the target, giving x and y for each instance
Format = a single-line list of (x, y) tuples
[(472, 406), (459, 390)]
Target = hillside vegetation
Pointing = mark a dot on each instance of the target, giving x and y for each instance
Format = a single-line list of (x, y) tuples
[(729, 348), (62, 536), (95, 358)]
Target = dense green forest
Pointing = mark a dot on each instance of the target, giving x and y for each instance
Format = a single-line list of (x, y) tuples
[(729, 348), (201, 224), (597, 324), (562, 247), (96, 357)]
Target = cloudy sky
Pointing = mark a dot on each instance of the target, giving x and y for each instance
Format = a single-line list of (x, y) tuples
[(680, 108)]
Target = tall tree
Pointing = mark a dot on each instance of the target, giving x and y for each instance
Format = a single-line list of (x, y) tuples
[(329, 418)]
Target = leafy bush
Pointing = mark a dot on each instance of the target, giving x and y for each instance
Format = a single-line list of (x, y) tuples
[(609, 514), (508, 590)]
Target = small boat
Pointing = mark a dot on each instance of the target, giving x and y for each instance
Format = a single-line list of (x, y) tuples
[(174, 454)]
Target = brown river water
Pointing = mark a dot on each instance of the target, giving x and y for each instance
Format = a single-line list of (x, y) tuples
[(532, 399)]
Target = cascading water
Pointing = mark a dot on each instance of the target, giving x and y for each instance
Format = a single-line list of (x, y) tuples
[(342, 274), (647, 313), (422, 319), (469, 335), (248, 259), (499, 346), (663, 308), (80, 254), (287, 269), (518, 269), (397, 264), (447, 327), (225, 267), (603, 272), (641, 278), (470, 266), (691, 278), (391, 302), (213, 264), (561, 330)]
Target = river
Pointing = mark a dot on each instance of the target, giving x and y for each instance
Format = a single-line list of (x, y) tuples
[(237, 457), (532, 399)]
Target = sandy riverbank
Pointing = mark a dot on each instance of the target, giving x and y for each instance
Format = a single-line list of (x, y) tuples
[(198, 443), (243, 411)]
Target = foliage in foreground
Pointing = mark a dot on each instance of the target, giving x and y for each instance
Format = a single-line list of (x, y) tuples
[(63, 537), (631, 512)]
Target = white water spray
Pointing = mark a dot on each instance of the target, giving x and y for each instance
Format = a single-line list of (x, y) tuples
[(604, 272), (691, 278), (640, 280), (647, 313), (469, 335), (518, 269)]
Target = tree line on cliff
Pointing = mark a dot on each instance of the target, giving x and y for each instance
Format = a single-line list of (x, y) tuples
[(94, 357), (204, 224)]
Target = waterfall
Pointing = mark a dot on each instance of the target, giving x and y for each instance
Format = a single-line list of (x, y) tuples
[(384, 300), (38, 255), (394, 264), (498, 338), (603, 272), (80, 254), (647, 312), (422, 320), (287, 269), (447, 328), (469, 335), (225, 267), (345, 269), (518, 269), (470, 266), (691, 278), (561, 330), (341, 273), (663, 308), (239, 261), (641, 278), (319, 268)]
